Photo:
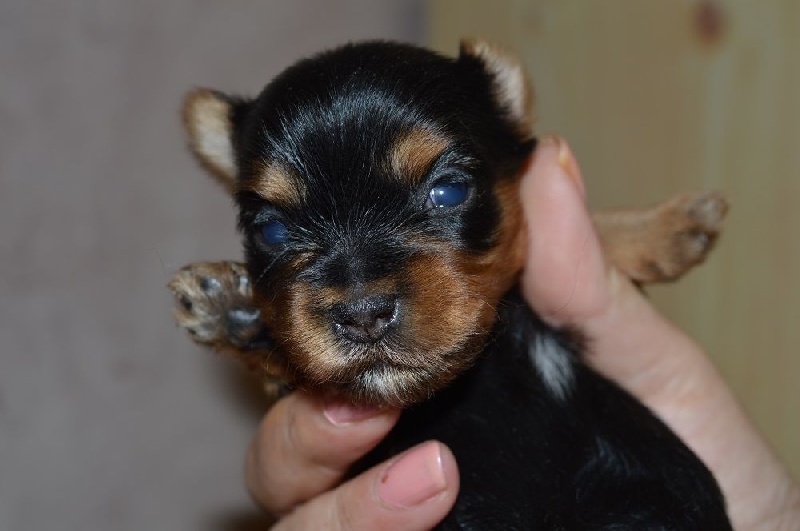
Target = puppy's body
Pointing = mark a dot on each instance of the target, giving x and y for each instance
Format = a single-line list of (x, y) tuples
[(543, 442), (377, 188)]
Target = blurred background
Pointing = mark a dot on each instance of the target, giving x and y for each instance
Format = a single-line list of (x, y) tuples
[(111, 418)]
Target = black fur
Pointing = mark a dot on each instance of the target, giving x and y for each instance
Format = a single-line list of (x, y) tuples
[(597, 459), (530, 457)]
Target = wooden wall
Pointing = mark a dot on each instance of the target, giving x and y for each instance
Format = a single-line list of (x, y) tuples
[(661, 97)]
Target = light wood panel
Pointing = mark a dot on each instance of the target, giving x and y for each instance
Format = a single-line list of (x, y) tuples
[(653, 106)]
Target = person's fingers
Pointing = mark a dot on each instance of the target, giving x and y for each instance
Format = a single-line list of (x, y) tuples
[(413, 491), (568, 282), (304, 446)]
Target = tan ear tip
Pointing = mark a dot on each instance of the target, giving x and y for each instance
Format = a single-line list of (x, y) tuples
[(481, 47), (197, 96), (203, 105)]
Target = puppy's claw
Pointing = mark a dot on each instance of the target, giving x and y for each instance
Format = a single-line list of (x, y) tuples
[(696, 221), (708, 209)]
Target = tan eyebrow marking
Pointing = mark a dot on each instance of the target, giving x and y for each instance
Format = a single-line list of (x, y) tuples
[(276, 184), (414, 151)]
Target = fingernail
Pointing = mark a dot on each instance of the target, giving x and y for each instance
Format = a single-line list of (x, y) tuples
[(414, 478), (340, 414), (567, 161)]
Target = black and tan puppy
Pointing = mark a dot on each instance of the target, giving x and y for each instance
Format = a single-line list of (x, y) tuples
[(377, 187)]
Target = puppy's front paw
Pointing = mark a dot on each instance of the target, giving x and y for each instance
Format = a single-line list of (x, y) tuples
[(684, 231), (214, 304)]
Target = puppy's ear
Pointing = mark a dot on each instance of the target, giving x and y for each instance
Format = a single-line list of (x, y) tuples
[(512, 89), (209, 118)]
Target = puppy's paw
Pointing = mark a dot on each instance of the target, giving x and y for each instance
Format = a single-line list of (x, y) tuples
[(214, 304), (691, 225), (662, 243), (683, 233)]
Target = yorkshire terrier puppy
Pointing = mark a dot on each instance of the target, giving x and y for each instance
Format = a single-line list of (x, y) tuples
[(377, 190)]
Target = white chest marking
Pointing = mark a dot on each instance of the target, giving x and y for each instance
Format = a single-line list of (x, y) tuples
[(553, 364)]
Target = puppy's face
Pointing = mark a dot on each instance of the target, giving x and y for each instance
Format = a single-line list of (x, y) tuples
[(377, 195)]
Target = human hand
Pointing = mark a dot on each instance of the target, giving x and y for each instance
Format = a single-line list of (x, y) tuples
[(304, 448), (567, 281)]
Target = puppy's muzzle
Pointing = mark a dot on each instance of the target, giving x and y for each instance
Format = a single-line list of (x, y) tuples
[(365, 320)]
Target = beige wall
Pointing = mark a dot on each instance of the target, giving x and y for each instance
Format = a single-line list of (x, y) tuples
[(653, 106), (110, 419)]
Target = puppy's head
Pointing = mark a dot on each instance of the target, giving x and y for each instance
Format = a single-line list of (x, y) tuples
[(377, 194)]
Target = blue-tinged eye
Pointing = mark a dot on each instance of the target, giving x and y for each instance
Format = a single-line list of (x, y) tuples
[(274, 232), (447, 195)]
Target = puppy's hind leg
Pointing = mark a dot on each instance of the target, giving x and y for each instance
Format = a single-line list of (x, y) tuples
[(662, 243), (215, 306)]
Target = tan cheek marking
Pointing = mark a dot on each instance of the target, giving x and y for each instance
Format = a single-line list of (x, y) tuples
[(454, 296), (493, 273), (443, 310), (304, 334), (275, 184), (413, 153)]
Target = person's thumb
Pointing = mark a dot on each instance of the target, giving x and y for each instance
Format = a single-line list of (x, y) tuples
[(413, 491)]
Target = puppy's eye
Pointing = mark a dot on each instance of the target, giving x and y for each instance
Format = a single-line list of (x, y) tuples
[(274, 232), (447, 195)]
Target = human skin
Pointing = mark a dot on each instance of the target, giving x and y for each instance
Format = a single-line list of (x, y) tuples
[(305, 445)]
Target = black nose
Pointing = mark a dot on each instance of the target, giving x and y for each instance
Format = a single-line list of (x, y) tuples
[(365, 320)]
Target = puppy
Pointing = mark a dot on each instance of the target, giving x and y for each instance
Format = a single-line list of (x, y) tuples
[(377, 189)]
